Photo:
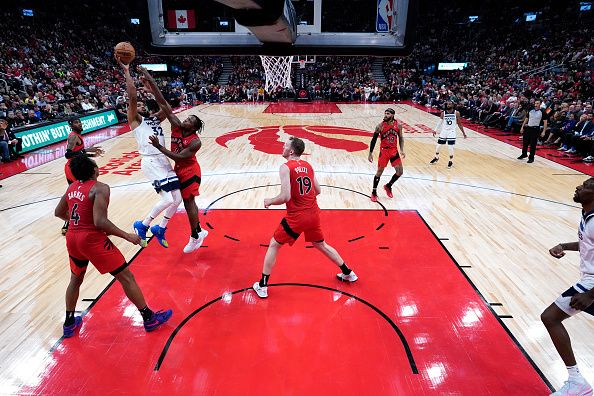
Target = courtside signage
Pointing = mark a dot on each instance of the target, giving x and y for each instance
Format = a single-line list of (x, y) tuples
[(53, 133)]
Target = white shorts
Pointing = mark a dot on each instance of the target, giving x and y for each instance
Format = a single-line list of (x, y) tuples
[(583, 285), (447, 136), (159, 171)]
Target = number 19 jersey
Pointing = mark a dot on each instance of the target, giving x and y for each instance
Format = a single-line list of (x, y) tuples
[(150, 126), (303, 192), (303, 213)]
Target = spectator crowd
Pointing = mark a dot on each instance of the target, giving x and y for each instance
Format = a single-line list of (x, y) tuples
[(52, 67)]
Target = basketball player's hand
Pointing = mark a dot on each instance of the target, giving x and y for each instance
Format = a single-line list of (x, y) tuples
[(99, 151), (370, 158), (557, 251), (122, 65), (434, 133), (402, 155), (145, 73), (132, 238), (267, 202), (154, 141), (145, 84), (581, 301)]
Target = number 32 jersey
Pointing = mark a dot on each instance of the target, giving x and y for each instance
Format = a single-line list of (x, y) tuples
[(150, 126), (303, 192)]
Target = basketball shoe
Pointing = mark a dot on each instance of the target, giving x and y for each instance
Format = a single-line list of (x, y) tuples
[(70, 330), (159, 232), (388, 191), (261, 291), (433, 161), (574, 388), (450, 164), (195, 243), (140, 230), (347, 278), (157, 320), (373, 197)]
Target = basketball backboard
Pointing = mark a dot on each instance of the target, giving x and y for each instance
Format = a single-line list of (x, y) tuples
[(281, 27)]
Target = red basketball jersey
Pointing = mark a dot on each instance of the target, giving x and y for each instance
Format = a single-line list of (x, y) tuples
[(80, 146), (389, 135), (80, 206), (303, 192), (178, 143)]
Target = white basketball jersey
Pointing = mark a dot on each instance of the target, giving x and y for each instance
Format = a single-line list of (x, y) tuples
[(150, 126), (586, 244), (449, 123)]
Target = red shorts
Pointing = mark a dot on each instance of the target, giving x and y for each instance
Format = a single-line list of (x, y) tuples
[(93, 246), (390, 155), (292, 226), (189, 179), (69, 176)]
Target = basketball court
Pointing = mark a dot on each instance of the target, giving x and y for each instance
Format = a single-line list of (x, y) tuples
[(454, 271)]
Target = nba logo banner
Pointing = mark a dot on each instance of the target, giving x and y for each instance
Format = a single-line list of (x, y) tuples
[(385, 15)]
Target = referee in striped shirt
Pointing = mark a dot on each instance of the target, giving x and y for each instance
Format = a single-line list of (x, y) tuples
[(531, 130)]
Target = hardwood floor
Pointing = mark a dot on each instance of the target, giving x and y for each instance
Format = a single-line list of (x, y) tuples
[(498, 217)]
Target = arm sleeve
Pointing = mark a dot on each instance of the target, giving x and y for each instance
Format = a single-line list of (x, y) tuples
[(373, 141), (71, 154)]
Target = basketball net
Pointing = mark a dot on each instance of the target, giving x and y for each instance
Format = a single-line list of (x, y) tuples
[(278, 71)]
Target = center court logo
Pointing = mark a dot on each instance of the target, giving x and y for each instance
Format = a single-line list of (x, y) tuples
[(267, 139)]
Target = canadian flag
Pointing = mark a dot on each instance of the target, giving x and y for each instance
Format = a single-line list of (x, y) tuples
[(181, 19)]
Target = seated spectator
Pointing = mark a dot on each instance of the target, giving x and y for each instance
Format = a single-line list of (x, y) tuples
[(87, 105), (554, 130), (575, 138), (516, 117), (567, 127), (32, 117), (4, 142), (16, 119)]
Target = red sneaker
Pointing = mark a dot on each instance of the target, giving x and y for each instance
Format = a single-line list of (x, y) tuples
[(373, 197), (388, 191)]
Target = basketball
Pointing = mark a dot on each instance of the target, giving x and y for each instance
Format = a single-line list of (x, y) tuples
[(125, 51)]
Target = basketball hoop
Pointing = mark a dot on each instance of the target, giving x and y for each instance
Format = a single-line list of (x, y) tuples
[(278, 71), (302, 63)]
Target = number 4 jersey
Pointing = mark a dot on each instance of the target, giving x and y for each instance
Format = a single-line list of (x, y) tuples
[(84, 241), (80, 206), (303, 192)]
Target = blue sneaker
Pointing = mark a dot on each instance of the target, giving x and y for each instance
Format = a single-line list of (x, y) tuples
[(70, 330), (159, 232), (140, 230), (157, 320)]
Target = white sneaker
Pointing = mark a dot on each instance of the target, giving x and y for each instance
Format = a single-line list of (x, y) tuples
[(194, 243), (574, 388), (347, 278), (261, 291), (588, 159)]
